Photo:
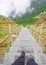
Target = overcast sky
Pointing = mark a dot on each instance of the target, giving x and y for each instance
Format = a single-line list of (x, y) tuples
[(6, 6)]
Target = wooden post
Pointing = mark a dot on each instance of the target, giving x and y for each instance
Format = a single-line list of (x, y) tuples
[(16, 28), (34, 29), (10, 33), (41, 28), (40, 32)]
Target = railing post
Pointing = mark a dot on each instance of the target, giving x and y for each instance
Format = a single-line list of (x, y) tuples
[(34, 29), (16, 28), (41, 28), (10, 33), (31, 29), (40, 32)]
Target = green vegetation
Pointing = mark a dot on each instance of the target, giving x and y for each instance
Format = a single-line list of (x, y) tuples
[(4, 31), (44, 31), (29, 18), (36, 36), (44, 49)]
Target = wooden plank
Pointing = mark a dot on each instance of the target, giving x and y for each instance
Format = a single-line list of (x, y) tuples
[(44, 37), (4, 39), (10, 31), (7, 22)]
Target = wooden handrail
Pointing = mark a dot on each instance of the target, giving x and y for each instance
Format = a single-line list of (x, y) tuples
[(1, 42), (4, 39), (44, 37), (7, 22)]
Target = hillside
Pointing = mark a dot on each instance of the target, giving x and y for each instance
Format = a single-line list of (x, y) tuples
[(41, 20), (4, 31), (37, 17), (29, 18), (4, 19), (4, 25)]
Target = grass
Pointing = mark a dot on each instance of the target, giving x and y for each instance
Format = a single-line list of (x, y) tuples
[(44, 49), (44, 31), (42, 41), (4, 30)]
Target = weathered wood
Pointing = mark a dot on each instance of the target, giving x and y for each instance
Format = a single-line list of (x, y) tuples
[(44, 37), (10, 33), (7, 22), (1, 42), (4, 39)]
